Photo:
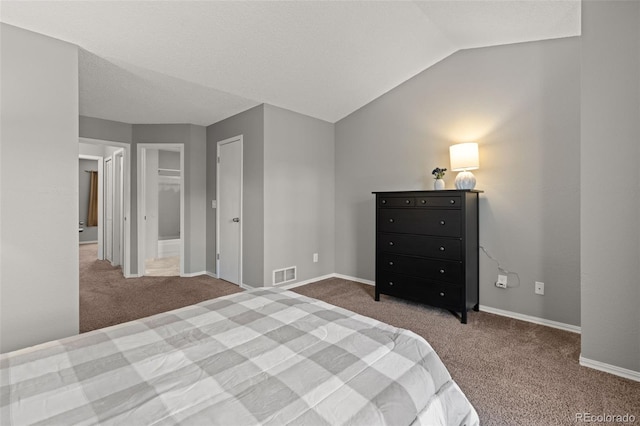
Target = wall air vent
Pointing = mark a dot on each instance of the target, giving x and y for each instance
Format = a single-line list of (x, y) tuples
[(285, 275)]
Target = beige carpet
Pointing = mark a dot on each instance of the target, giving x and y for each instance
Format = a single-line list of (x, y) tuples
[(514, 373), (107, 298)]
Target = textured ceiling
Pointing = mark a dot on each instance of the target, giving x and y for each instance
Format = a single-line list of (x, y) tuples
[(202, 61)]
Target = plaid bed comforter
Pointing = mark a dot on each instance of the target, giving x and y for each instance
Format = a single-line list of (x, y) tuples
[(265, 356)]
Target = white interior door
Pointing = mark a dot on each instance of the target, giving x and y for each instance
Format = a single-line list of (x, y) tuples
[(122, 209), (229, 209), (108, 210), (118, 209)]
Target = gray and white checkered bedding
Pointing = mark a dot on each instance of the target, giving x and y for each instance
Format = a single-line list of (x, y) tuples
[(265, 356)]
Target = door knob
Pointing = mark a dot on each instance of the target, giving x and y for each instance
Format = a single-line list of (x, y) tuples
[(236, 219)]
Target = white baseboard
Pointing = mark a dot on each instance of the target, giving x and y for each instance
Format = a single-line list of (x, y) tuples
[(611, 369), (489, 309), (356, 279), (212, 275), (88, 242), (325, 277), (305, 282), (194, 274), (529, 318)]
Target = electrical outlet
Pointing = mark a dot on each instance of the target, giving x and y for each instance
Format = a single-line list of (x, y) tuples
[(539, 288), (315, 257), (502, 281)]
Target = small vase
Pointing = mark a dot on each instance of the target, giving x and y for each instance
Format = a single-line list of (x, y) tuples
[(438, 184)]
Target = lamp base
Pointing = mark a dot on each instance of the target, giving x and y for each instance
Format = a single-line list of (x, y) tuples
[(465, 180)]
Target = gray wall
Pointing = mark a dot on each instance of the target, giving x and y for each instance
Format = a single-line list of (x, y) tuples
[(91, 149), (521, 104), (168, 209), (97, 128), (610, 181), (169, 160), (168, 196), (194, 139), (249, 124), (39, 211), (299, 194), (90, 233)]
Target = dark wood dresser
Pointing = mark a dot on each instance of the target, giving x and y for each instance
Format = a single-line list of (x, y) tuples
[(427, 247)]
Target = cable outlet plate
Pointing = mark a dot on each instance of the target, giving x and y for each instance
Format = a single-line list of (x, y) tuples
[(539, 288), (502, 281)]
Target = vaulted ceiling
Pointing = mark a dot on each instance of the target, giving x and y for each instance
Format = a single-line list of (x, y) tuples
[(202, 61)]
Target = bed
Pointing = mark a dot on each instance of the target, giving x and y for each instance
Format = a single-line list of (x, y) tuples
[(264, 356)]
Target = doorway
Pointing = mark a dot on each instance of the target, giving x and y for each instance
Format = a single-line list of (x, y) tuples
[(161, 209), (90, 173), (112, 233), (229, 208)]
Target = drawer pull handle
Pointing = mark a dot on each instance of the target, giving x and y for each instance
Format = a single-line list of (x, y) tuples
[(407, 201), (441, 248), (423, 201), (442, 222), (390, 263), (384, 201), (390, 243), (390, 283), (442, 294), (390, 220), (452, 201), (442, 271)]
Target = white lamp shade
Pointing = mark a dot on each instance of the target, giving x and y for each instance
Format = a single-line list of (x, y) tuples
[(464, 156)]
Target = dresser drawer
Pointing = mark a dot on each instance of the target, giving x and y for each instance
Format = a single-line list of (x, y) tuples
[(434, 269), (444, 223), (437, 294), (396, 202), (420, 245), (427, 247), (453, 202)]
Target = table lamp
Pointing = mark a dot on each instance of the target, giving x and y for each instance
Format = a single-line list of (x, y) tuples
[(464, 157)]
